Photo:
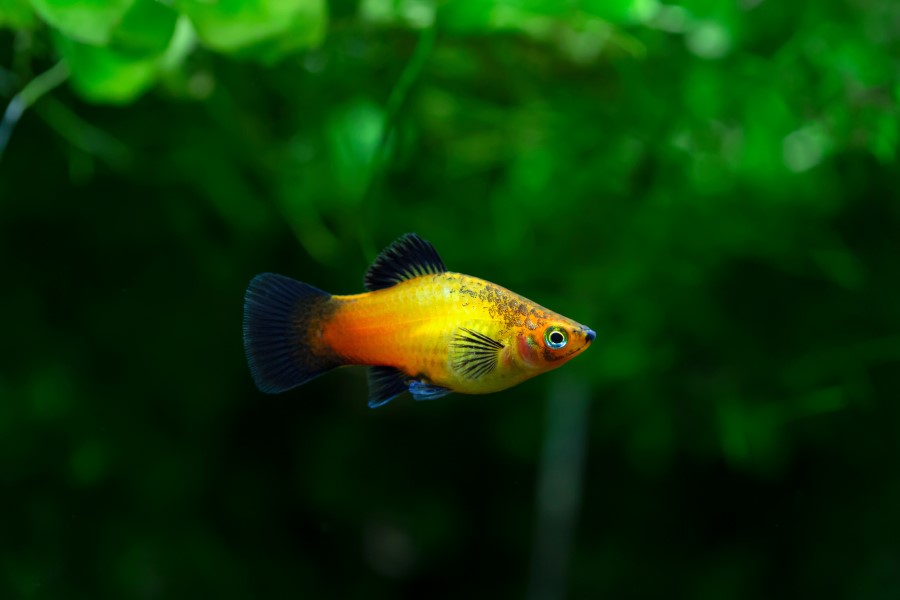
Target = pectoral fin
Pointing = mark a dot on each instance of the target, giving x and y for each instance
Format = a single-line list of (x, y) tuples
[(474, 354)]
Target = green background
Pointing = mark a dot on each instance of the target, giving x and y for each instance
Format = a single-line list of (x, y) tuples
[(710, 185)]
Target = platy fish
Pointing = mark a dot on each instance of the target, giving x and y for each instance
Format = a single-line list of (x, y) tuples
[(420, 327)]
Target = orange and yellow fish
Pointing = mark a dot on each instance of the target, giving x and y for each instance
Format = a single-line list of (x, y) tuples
[(420, 328)]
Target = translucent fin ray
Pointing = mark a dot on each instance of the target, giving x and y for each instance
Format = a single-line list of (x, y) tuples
[(385, 384), (474, 354)]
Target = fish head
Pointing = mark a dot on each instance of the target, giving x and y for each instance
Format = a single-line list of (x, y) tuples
[(554, 342)]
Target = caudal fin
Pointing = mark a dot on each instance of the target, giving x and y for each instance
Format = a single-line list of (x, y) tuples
[(280, 314)]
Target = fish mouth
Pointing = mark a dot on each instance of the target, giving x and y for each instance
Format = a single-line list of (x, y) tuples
[(589, 335)]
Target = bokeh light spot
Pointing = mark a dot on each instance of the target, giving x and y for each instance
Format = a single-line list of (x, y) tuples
[(708, 39), (803, 149)]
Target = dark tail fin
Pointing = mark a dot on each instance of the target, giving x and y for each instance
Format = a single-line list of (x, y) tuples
[(280, 314)]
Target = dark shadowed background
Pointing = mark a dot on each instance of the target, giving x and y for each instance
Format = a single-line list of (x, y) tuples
[(710, 184)]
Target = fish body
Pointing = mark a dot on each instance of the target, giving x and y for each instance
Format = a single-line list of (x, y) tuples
[(420, 327), (426, 327)]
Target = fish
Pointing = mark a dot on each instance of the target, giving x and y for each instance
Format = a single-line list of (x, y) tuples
[(419, 328)]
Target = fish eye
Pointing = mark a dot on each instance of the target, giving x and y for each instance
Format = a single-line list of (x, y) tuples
[(555, 337)]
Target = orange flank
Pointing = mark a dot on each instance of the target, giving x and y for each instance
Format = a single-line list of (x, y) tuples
[(421, 328)]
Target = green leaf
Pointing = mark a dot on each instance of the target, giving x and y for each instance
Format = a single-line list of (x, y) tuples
[(621, 12), (466, 16), (306, 31), (87, 21), (354, 134), (476, 16), (883, 137), (233, 25), (148, 25), (184, 38), (106, 74), (17, 14), (411, 13)]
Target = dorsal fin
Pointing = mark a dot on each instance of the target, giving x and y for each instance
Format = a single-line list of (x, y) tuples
[(408, 257)]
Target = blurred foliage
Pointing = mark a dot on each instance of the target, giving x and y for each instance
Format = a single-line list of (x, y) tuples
[(710, 184)]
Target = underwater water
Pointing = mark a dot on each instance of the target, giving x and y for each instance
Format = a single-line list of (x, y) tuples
[(710, 186)]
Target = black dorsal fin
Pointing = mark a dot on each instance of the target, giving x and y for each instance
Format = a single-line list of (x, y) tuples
[(408, 257)]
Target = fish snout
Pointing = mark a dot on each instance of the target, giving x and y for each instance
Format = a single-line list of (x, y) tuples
[(589, 335)]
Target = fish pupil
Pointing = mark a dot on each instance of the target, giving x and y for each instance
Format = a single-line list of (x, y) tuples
[(555, 338)]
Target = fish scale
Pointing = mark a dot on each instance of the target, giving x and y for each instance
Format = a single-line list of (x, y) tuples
[(410, 325)]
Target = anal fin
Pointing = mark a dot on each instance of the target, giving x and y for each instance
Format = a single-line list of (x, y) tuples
[(385, 383)]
